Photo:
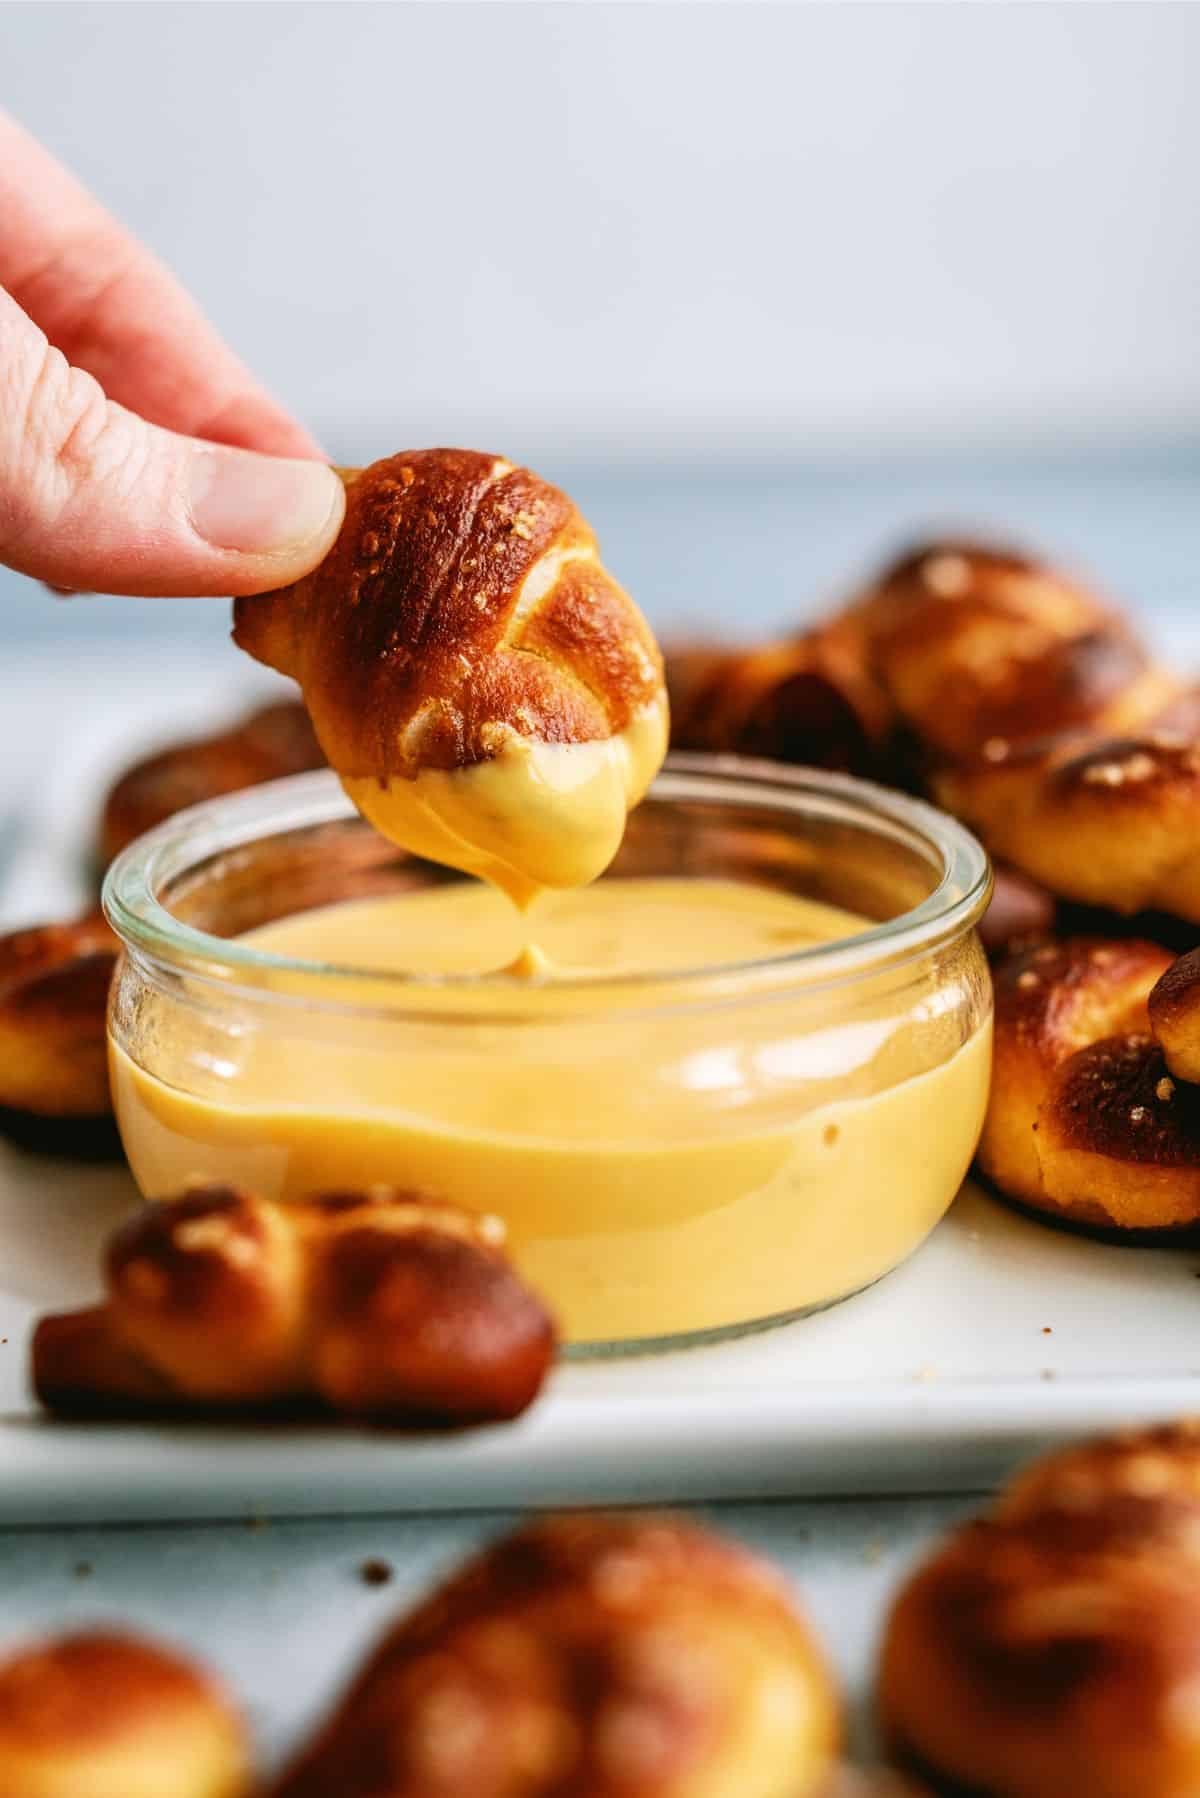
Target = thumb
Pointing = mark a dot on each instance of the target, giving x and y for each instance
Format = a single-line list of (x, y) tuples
[(93, 497)]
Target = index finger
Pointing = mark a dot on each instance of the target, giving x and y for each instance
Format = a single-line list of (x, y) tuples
[(113, 309)]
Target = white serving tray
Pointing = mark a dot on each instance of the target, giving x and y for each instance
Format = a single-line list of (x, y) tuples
[(938, 1378)]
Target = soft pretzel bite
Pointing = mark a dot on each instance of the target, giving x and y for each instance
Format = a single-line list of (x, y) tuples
[(103, 1715), (588, 1657), (809, 700), (271, 742), (1053, 1648), (471, 666), (1019, 913), (979, 646), (1112, 823), (1084, 1121), (952, 570), (54, 981), (878, 1782), (1013, 695), (1045, 725), (382, 1306), (1175, 1016)]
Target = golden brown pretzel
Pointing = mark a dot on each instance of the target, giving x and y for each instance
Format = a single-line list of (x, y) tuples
[(1111, 821), (1044, 724), (1175, 1016), (463, 618), (271, 742), (102, 1715), (54, 981), (979, 647), (1018, 700), (381, 1305), (588, 1657), (1053, 1648), (810, 700), (1086, 1121)]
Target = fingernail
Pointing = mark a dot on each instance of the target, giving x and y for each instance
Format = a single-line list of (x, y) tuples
[(260, 504)]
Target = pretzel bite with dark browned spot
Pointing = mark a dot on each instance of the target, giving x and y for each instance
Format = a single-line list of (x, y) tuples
[(811, 700), (1113, 823), (271, 742), (488, 693), (855, 1782), (102, 1715), (1175, 1016), (589, 1657), (382, 1306), (1084, 1122), (972, 572), (963, 677), (1053, 1648), (54, 981)]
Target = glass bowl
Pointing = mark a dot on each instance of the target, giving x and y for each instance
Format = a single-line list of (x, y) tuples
[(676, 1156)]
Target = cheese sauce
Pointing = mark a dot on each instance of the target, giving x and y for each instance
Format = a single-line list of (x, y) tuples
[(722, 1157)]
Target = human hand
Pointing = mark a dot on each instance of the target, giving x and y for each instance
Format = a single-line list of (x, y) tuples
[(137, 454)]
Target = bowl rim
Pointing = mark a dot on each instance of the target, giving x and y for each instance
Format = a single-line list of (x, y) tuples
[(150, 931)]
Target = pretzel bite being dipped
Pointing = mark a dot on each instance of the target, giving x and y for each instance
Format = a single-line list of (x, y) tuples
[(274, 741), (1053, 1648), (101, 1715), (488, 694), (588, 1657), (54, 981), (381, 1306)]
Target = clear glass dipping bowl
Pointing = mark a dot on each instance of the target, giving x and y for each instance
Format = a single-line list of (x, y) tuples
[(742, 1144)]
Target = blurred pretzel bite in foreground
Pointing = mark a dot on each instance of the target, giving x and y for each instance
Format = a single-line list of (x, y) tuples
[(1052, 1650), (488, 693), (269, 743), (54, 981), (101, 1715), (381, 1306), (588, 1657), (1088, 1118)]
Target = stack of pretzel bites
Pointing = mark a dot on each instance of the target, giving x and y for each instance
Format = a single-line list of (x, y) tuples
[(1018, 700)]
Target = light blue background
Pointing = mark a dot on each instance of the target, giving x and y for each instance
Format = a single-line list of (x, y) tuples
[(770, 289)]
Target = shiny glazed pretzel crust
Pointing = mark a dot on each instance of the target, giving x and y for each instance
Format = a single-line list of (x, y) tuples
[(1013, 695), (270, 742), (464, 604), (54, 981), (382, 1306), (104, 1715), (1090, 1118)]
